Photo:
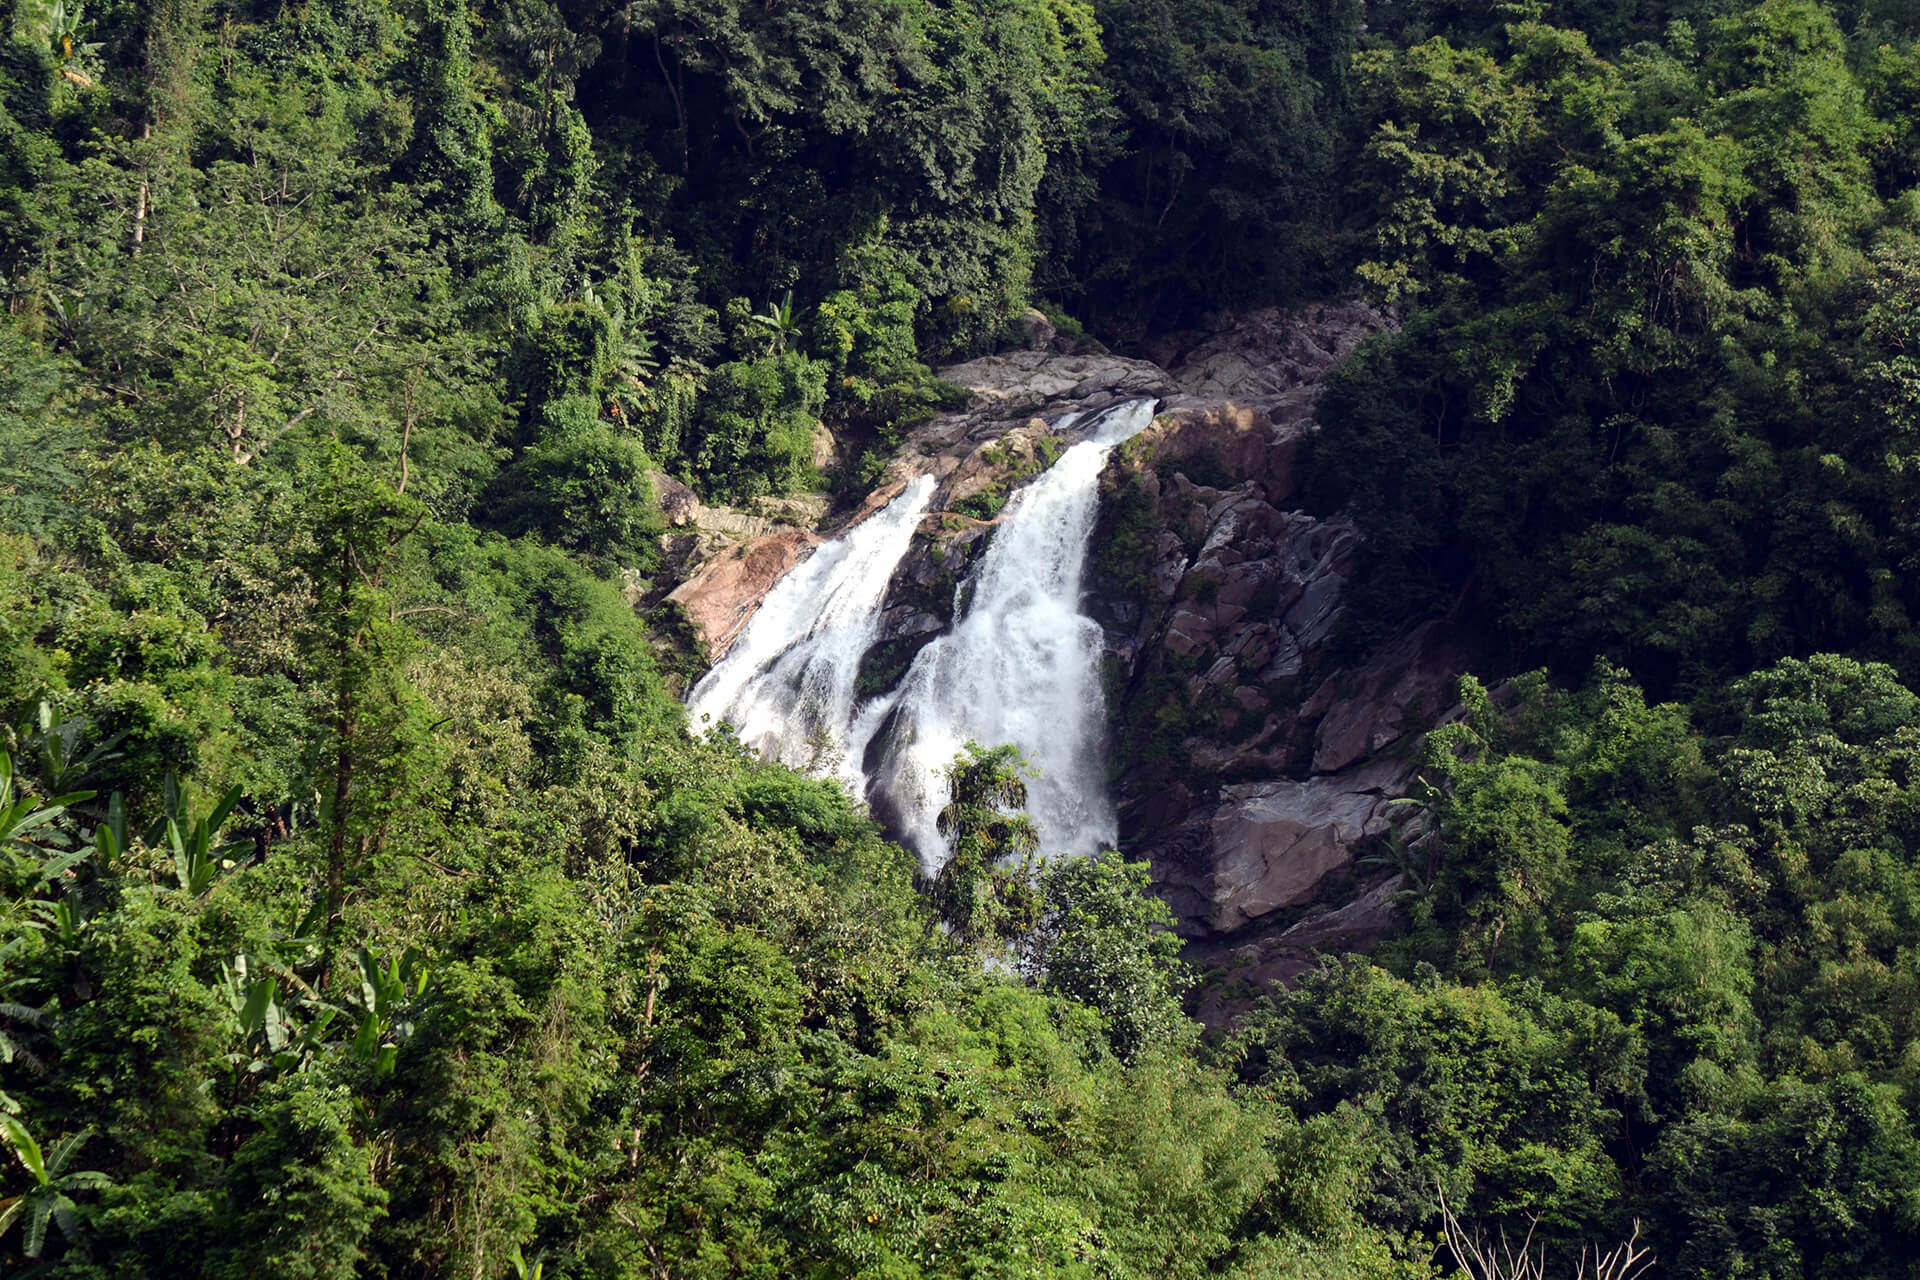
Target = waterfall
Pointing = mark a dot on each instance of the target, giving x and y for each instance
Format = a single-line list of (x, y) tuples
[(787, 684), (1021, 665)]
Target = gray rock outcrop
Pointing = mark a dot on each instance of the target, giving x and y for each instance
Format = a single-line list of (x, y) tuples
[(1260, 359), (1018, 384), (1255, 759)]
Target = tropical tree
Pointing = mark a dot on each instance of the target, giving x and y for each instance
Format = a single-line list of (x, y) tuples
[(23, 814), (781, 323), (985, 891), (1103, 938)]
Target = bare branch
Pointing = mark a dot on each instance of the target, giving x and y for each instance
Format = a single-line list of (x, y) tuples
[(1477, 1257)]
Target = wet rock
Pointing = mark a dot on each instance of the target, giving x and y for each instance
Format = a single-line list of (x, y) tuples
[(904, 631), (992, 470)]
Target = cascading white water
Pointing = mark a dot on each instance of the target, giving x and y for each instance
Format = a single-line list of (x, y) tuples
[(1021, 666), (787, 684)]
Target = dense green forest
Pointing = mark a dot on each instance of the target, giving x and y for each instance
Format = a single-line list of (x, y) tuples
[(368, 909)]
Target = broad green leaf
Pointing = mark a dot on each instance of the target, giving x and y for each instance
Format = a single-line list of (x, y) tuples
[(24, 1148), (67, 1148)]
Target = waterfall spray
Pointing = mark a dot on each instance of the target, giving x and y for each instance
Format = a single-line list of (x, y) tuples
[(1021, 664)]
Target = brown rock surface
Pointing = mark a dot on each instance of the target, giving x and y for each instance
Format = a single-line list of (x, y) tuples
[(720, 598)]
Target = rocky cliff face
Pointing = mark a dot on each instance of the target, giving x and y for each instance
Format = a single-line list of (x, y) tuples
[(1254, 760)]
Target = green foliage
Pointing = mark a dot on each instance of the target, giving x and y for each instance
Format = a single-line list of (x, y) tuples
[(1104, 939), (1628, 411), (46, 1199), (753, 432), (301, 1191), (1511, 1098), (585, 489), (1217, 193), (1694, 948), (877, 387), (38, 443), (842, 151), (984, 890), (368, 910)]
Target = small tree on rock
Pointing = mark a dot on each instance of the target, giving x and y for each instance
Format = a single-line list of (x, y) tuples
[(986, 891)]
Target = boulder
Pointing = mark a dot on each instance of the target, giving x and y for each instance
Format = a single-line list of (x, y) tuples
[(1032, 330), (825, 450), (1274, 842), (1403, 687), (679, 504)]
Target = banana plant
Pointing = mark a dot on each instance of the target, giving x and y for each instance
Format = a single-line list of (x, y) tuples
[(33, 852), (524, 1270), (65, 755), (198, 859), (285, 1024), (389, 996), (47, 1199), (111, 838), (278, 1035), (68, 313), (14, 1016), (69, 32), (636, 359), (21, 815), (781, 323)]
